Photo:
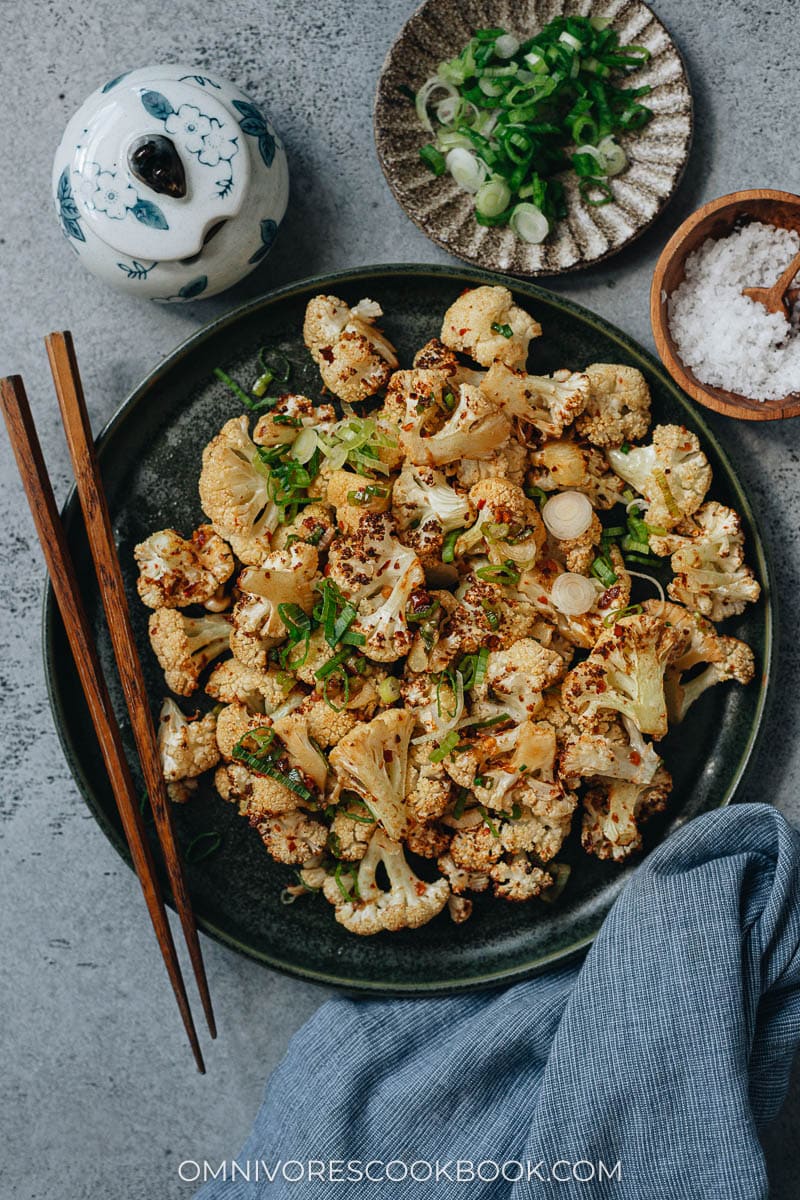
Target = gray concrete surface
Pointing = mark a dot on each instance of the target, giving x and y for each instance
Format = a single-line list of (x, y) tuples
[(99, 1097)]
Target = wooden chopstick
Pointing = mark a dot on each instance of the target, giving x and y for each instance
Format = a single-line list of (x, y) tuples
[(64, 369), (30, 460)]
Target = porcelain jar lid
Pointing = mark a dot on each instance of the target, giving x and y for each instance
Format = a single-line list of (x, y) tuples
[(153, 176)]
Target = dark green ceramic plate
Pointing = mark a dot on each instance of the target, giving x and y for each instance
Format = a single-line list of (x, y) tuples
[(150, 455)]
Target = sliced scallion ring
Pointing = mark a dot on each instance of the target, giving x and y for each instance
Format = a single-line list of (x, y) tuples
[(529, 222), (567, 515), (613, 157), (304, 445), (573, 43), (493, 197), (424, 94), (467, 169), (573, 594), (506, 46)]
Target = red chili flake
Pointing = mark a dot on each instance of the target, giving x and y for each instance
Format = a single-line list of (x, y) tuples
[(419, 888), (481, 504), (327, 353), (461, 332), (609, 596), (419, 600), (635, 757)]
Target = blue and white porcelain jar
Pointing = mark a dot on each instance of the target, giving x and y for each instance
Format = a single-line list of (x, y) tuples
[(170, 184)]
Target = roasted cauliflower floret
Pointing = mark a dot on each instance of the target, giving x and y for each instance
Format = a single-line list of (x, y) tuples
[(724, 659), (618, 405), (292, 837), (486, 324), (625, 673), (710, 572), (672, 473), (486, 615), (509, 461), (372, 761), (509, 527), (613, 811), (292, 729), (184, 646), (255, 796), (580, 552), (353, 495), (351, 829), (460, 879), (474, 428), (615, 750), (291, 414), (565, 465), (536, 585), (540, 831), (175, 572), (517, 878), (260, 691), (425, 507), (519, 675), (378, 575), (354, 357), (408, 903), (548, 403), (285, 577), (428, 787), (314, 524), (188, 746), (235, 492)]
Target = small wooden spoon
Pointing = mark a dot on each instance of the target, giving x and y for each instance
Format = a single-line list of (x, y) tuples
[(780, 297)]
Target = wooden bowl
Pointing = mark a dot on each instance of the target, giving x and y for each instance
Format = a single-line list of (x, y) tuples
[(715, 220)]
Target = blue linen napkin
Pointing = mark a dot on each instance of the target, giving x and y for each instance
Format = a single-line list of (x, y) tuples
[(646, 1071)]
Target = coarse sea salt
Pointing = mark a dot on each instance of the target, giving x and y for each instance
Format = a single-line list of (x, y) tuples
[(729, 340)]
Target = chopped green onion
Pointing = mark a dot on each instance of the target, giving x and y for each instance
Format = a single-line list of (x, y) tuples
[(603, 571), (666, 492), (449, 545), (433, 159), (560, 873), (337, 875), (492, 617), (236, 388), (203, 846), (538, 494), (629, 611), (262, 383), (445, 748), (363, 495), (515, 114), (256, 749), (491, 199), (488, 821), (388, 690), (481, 665), (505, 330), (506, 574), (632, 546), (614, 531), (595, 192), (276, 364)]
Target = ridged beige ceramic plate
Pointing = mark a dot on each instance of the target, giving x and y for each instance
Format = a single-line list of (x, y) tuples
[(658, 154)]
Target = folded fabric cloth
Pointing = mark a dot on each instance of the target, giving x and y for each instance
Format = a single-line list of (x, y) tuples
[(646, 1071)]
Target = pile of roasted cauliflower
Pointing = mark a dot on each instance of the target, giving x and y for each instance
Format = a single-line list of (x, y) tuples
[(422, 633)]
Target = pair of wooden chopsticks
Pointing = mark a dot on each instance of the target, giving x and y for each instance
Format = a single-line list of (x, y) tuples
[(32, 468)]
